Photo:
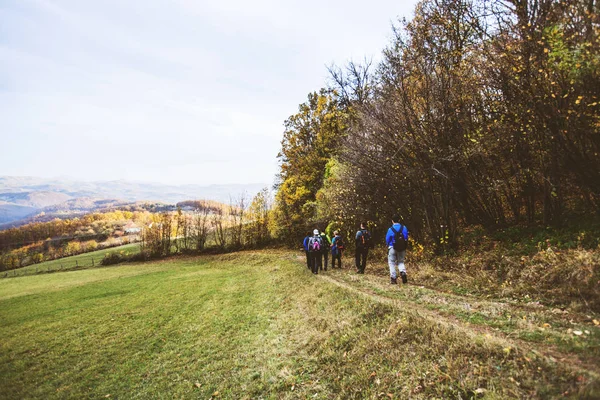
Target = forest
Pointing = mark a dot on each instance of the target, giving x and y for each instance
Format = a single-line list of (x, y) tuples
[(480, 114)]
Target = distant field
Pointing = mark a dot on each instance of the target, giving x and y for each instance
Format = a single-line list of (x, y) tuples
[(91, 259), (259, 325)]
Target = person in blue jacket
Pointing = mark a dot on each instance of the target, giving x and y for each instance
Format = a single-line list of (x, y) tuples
[(397, 241), (305, 245)]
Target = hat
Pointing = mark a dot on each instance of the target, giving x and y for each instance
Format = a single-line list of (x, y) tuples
[(316, 231)]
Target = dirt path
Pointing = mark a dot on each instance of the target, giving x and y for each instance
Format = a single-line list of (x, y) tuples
[(498, 323)]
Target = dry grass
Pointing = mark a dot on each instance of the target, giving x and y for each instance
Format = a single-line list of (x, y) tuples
[(252, 325)]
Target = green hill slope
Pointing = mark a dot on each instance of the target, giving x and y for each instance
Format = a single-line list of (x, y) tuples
[(258, 324), (84, 260)]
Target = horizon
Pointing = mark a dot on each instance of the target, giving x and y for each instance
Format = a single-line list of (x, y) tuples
[(135, 181)]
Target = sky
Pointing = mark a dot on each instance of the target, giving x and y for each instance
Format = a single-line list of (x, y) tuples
[(169, 91)]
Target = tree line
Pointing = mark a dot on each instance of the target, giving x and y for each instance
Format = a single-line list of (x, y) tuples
[(187, 227), (43, 241), (238, 225), (481, 112)]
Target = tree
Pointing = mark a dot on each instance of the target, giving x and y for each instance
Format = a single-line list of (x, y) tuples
[(259, 211), (311, 138)]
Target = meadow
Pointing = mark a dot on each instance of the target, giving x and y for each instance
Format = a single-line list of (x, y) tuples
[(257, 324), (84, 260)]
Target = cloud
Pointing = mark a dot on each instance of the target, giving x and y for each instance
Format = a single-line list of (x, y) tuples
[(167, 90)]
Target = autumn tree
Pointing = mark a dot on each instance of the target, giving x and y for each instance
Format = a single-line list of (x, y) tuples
[(311, 138), (257, 232), (480, 113)]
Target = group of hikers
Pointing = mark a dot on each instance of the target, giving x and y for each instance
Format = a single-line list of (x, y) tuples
[(319, 245)]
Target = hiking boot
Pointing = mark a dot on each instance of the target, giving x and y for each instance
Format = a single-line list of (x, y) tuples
[(404, 278), (393, 281)]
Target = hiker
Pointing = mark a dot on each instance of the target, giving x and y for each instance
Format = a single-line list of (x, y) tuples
[(397, 240), (315, 245), (305, 246), (363, 242), (325, 251), (337, 248)]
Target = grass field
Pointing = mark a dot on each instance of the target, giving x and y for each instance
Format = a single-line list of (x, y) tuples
[(85, 260), (259, 325)]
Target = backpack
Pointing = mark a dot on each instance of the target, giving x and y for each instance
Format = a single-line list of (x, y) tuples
[(400, 244), (365, 239), (326, 243), (315, 243), (339, 243)]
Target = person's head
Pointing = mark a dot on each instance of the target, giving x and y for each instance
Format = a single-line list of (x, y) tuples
[(363, 225), (316, 232), (335, 233), (396, 219)]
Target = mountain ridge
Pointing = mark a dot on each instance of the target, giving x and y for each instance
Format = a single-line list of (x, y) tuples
[(23, 197)]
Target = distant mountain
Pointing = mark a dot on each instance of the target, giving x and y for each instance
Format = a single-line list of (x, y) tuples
[(36, 199), (13, 212), (78, 207), (24, 197)]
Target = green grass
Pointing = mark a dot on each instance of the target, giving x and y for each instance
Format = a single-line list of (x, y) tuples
[(85, 260), (245, 325)]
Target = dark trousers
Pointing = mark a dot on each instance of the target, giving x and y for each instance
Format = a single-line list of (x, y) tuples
[(316, 258), (338, 257), (325, 259), (307, 259), (361, 259)]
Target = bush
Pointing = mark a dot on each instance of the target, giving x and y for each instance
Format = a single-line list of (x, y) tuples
[(117, 258), (112, 258)]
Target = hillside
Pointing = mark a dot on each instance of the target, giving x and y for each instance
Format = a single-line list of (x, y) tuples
[(12, 212), (15, 206), (259, 325)]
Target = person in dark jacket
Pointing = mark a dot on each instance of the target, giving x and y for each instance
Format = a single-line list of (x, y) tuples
[(305, 245), (337, 248), (326, 248), (363, 242)]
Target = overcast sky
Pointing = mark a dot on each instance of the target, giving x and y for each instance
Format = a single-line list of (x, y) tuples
[(176, 91)]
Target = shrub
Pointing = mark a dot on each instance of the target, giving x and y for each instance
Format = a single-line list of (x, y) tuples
[(112, 258)]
